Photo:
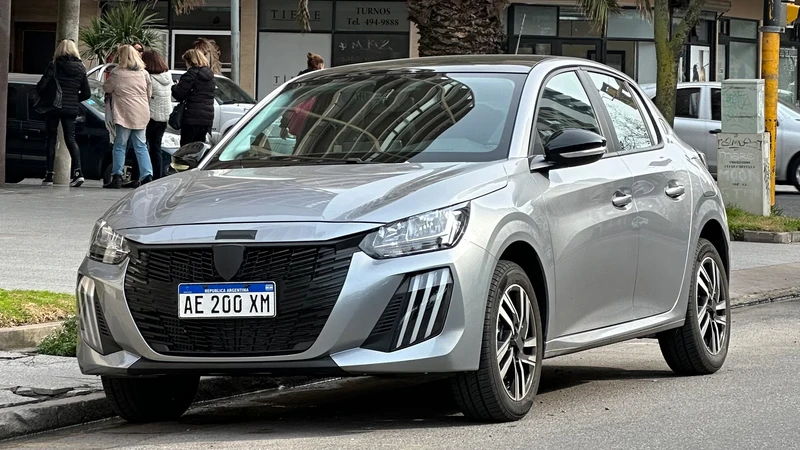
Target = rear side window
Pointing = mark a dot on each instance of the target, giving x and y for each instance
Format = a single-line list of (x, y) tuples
[(687, 103), (564, 104), (624, 111), (12, 103), (716, 104)]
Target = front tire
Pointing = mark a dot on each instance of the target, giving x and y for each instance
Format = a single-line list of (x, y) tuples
[(503, 387), (143, 400), (700, 346)]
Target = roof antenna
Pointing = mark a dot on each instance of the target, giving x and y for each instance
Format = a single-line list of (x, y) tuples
[(519, 38)]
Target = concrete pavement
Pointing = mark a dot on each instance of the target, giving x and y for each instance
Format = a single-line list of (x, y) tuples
[(618, 397)]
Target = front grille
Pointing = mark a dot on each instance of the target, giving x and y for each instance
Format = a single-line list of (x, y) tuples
[(308, 282)]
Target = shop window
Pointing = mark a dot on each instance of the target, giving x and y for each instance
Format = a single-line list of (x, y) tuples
[(213, 15), (536, 20), (355, 48), (573, 23), (183, 41), (745, 29), (629, 24), (738, 49), (742, 60), (646, 64), (787, 77)]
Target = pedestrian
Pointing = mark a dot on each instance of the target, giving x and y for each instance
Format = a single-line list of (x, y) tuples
[(67, 71), (160, 106), (196, 89), (130, 88), (294, 120), (314, 62), (139, 48), (211, 51)]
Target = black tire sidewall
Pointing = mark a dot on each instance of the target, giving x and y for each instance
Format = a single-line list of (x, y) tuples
[(511, 274), (706, 249), (792, 174)]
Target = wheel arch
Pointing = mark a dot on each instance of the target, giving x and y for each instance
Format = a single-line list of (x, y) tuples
[(523, 254), (714, 232)]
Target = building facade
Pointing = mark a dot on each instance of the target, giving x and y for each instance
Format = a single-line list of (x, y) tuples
[(725, 44)]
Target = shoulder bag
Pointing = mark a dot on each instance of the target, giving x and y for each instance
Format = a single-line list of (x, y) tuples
[(51, 88)]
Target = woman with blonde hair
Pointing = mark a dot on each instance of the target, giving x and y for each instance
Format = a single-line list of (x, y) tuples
[(67, 73), (130, 88), (211, 51), (196, 90)]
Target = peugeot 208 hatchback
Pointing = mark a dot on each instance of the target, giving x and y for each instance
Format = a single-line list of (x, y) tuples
[(461, 215)]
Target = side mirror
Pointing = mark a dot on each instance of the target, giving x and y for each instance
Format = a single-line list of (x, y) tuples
[(574, 147), (189, 156)]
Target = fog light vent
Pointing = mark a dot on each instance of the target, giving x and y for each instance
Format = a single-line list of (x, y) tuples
[(416, 312), (89, 329)]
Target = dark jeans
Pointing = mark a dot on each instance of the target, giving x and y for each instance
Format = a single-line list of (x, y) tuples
[(68, 125), (193, 133), (155, 131)]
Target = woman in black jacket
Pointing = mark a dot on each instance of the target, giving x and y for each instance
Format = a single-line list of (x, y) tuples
[(70, 72), (196, 89)]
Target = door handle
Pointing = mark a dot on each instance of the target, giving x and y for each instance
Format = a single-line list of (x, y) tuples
[(715, 131), (675, 189), (621, 199)]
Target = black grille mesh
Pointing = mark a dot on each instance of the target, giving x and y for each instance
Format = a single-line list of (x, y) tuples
[(308, 281)]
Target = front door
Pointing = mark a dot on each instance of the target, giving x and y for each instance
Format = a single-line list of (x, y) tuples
[(661, 192), (590, 214)]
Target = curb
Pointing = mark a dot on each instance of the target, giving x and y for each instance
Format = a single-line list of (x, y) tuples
[(34, 418), (778, 295), (771, 237), (26, 336)]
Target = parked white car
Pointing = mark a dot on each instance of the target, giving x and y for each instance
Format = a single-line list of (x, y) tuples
[(698, 113), (232, 102)]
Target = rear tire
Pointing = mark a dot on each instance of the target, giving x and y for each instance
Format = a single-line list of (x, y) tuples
[(143, 400), (794, 172), (492, 393), (700, 346)]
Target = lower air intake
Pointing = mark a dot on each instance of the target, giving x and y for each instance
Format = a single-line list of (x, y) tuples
[(416, 312)]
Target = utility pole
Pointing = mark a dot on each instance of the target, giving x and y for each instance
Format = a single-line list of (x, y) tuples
[(235, 38), (5, 38), (69, 14), (770, 54)]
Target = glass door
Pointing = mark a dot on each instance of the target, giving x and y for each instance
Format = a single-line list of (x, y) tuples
[(587, 49)]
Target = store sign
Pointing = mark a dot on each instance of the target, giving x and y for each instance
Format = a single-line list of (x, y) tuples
[(358, 48), (282, 15), (372, 16)]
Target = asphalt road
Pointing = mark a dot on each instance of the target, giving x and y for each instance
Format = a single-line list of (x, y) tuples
[(618, 397)]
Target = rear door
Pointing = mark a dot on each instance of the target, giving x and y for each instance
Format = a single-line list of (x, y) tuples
[(33, 131), (661, 193), (591, 216)]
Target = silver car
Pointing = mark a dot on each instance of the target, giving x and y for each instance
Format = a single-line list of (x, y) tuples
[(469, 216), (698, 114)]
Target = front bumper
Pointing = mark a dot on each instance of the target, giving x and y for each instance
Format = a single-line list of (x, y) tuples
[(343, 347)]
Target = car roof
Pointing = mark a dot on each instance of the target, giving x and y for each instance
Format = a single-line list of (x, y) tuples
[(460, 63), (24, 78)]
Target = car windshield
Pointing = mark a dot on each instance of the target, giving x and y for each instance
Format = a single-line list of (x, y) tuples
[(97, 101), (380, 118), (790, 109), (229, 93)]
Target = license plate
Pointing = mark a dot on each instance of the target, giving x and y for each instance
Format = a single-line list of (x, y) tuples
[(226, 300)]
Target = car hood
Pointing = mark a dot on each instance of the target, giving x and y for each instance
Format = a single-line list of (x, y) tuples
[(364, 193)]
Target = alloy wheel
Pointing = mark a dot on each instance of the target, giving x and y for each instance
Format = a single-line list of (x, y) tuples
[(516, 342), (711, 306)]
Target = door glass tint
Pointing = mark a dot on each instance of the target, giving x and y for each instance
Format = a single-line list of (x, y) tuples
[(687, 103), (716, 104), (564, 104), (623, 109), (32, 114)]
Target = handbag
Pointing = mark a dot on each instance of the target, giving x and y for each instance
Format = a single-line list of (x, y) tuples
[(51, 88), (176, 116)]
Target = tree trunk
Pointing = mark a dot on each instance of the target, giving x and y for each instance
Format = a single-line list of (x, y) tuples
[(67, 28), (458, 27), (667, 76)]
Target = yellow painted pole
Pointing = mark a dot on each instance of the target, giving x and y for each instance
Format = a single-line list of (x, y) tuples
[(770, 54)]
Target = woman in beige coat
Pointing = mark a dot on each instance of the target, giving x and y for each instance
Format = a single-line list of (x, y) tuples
[(130, 88)]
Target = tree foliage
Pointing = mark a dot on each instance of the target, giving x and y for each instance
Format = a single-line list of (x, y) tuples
[(125, 23)]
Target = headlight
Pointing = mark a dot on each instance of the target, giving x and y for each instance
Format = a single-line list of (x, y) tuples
[(427, 232), (170, 142), (107, 246)]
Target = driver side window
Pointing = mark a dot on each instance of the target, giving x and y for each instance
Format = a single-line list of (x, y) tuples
[(564, 104)]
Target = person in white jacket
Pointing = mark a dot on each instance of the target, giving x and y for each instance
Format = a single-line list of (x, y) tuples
[(160, 106)]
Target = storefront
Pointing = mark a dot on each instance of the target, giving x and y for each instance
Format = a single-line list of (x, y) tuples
[(342, 32)]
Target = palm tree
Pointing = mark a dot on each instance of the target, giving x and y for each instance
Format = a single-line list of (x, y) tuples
[(458, 27), (125, 23), (184, 6), (668, 46)]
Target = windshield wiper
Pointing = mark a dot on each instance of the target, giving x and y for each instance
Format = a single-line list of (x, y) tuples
[(314, 159)]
